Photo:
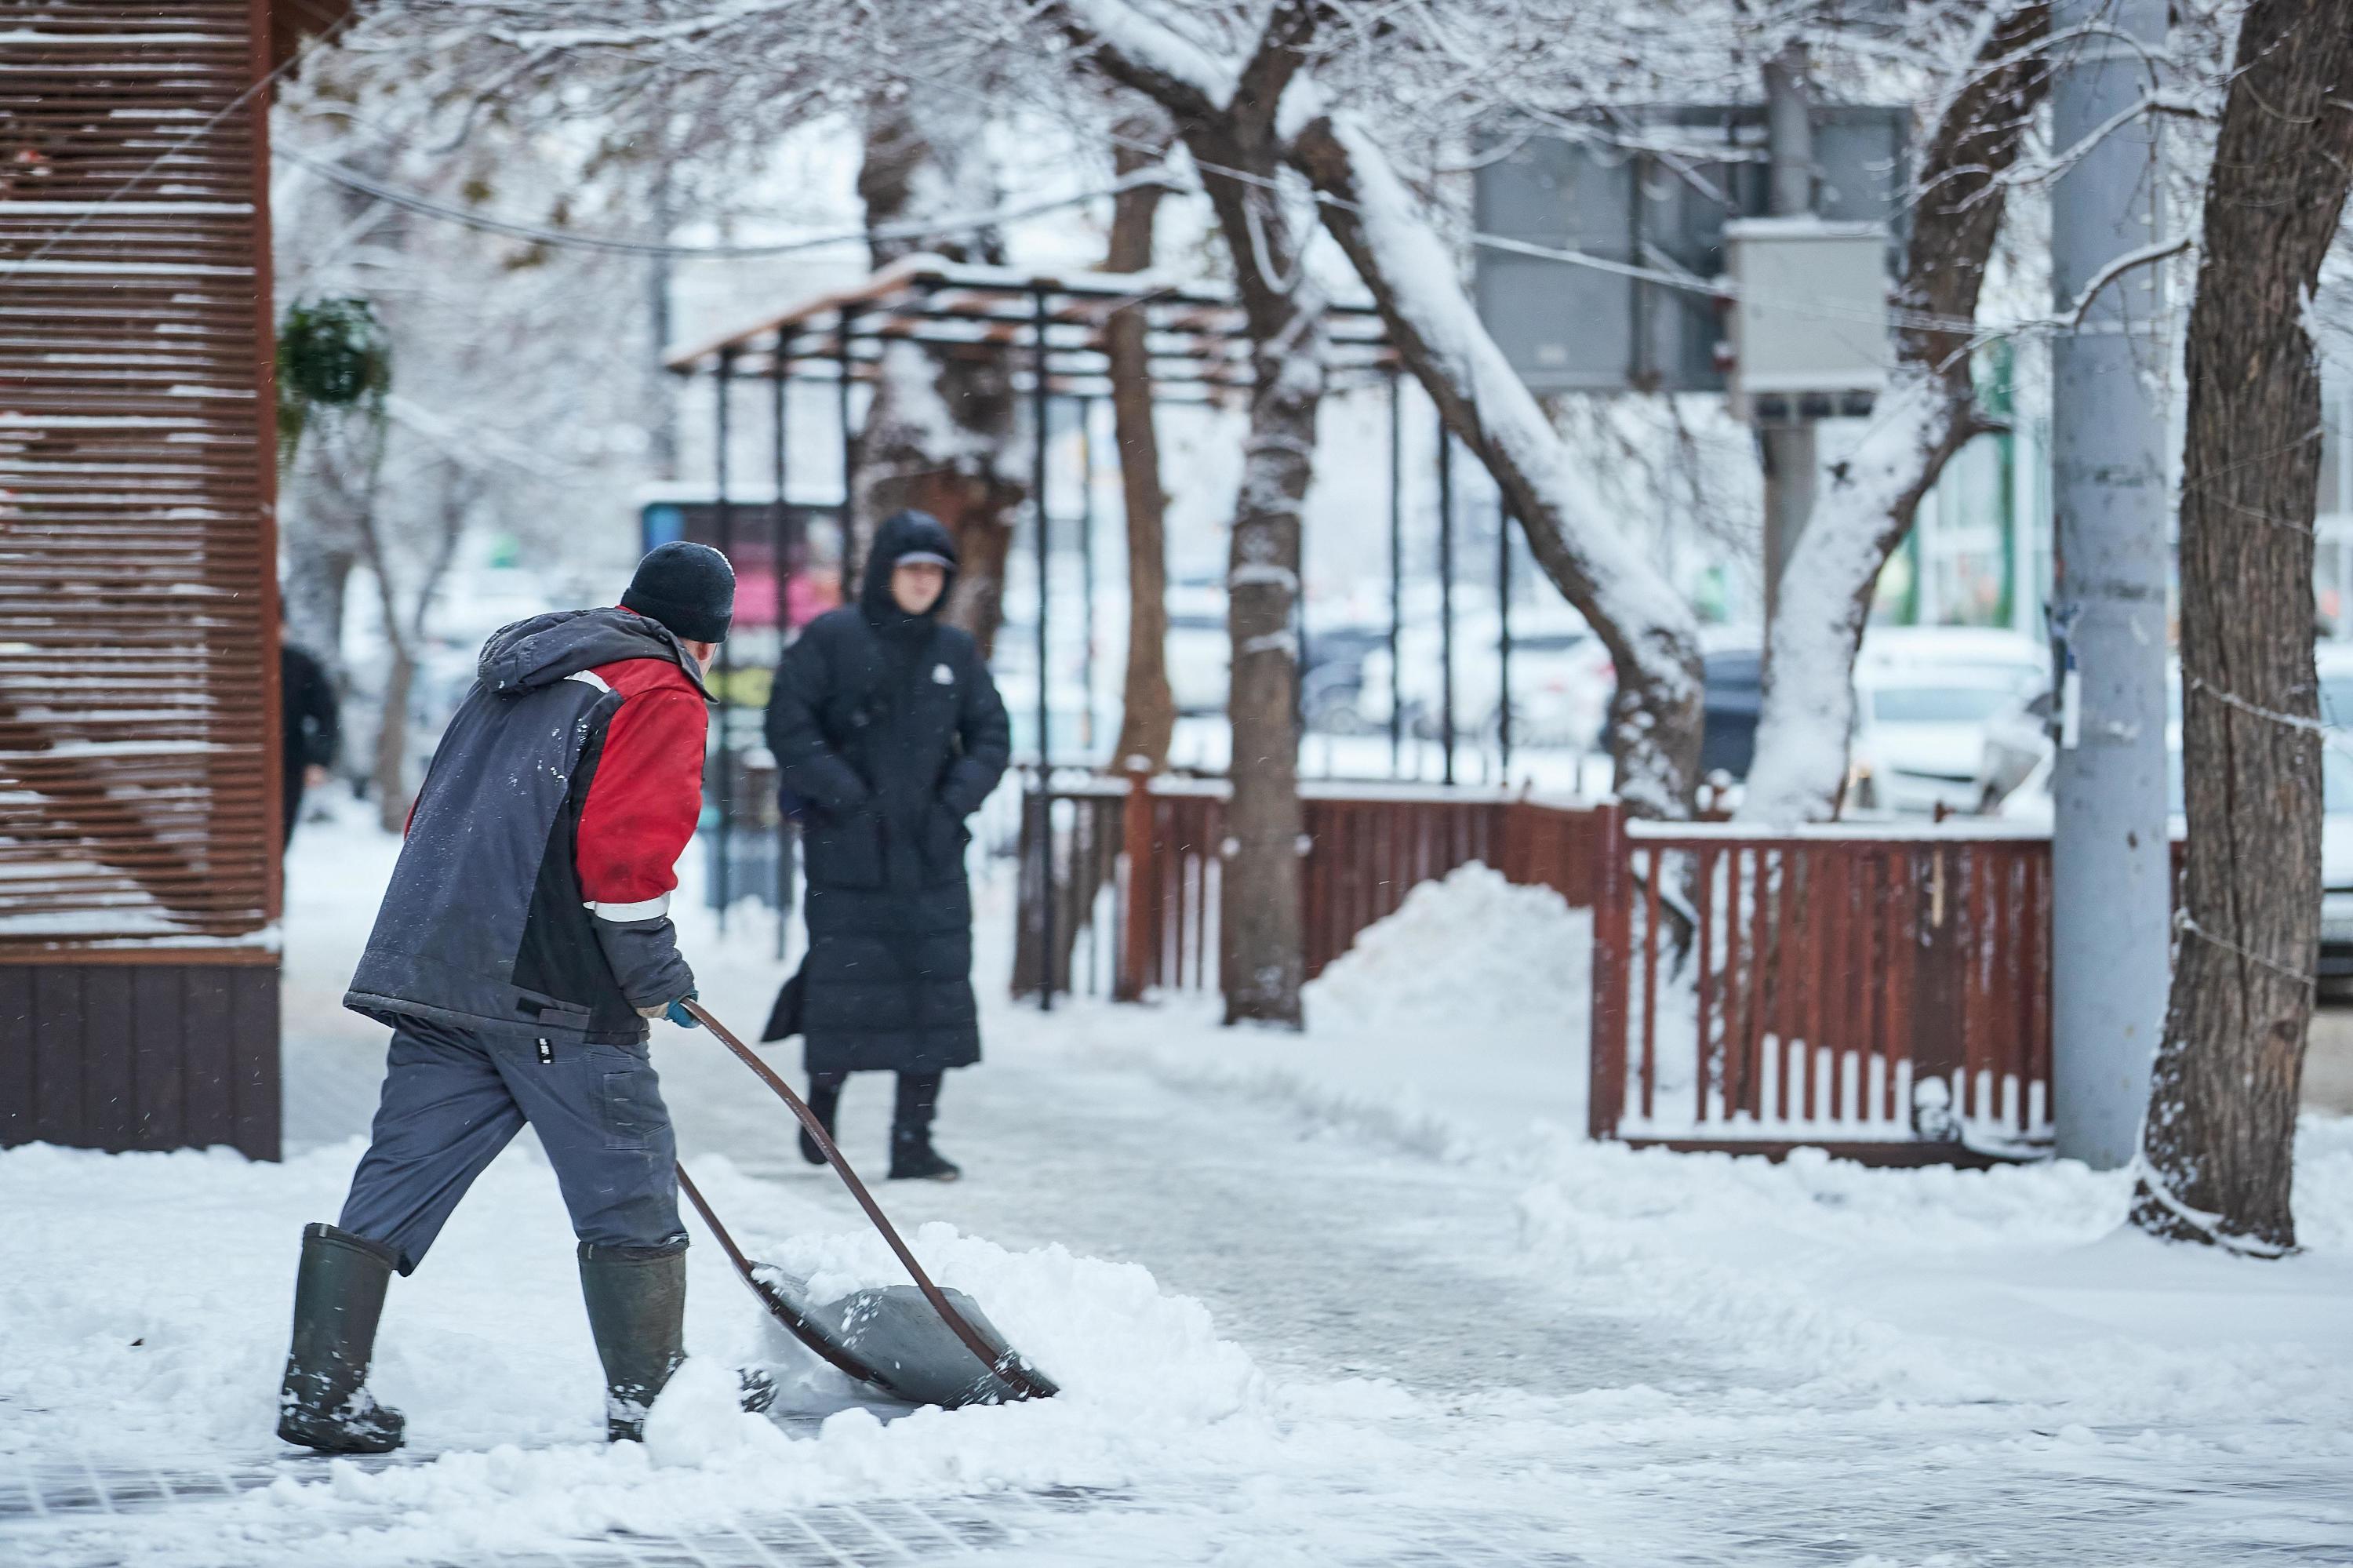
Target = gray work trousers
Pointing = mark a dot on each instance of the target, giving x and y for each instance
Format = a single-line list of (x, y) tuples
[(452, 1100)]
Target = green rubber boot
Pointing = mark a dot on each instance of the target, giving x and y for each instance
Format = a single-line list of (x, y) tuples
[(636, 1311), (323, 1403)]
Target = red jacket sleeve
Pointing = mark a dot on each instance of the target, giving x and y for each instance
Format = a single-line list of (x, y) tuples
[(642, 804)]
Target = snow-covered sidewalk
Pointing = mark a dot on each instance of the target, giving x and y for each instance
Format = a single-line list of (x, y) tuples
[(1361, 1297)]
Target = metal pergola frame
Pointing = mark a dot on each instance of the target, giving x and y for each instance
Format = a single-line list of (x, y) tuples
[(1054, 326)]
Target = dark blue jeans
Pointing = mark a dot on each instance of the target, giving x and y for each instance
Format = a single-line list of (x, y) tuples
[(453, 1099)]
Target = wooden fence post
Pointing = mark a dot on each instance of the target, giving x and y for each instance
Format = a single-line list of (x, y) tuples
[(1138, 929), (1939, 1009), (1612, 932)]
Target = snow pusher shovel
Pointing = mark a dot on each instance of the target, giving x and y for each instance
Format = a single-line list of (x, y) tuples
[(922, 1344)]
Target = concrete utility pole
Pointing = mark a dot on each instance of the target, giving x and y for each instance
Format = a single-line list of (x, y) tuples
[(1787, 447), (2111, 865)]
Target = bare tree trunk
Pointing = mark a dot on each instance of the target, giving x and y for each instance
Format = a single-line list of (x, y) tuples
[(322, 546), (936, 428), (1148, 708), (390, 766), (317, 572), (2217, 1158), (1231, 134), (1865, 510)]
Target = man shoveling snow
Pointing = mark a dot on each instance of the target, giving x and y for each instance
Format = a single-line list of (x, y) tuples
[(523, 941)]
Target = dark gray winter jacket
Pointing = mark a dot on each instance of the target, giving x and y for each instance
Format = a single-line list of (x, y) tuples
[(531, 896)]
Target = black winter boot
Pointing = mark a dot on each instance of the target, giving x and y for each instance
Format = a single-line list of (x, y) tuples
[(913, 1158), (636, 1311), (323, 1403), (825, 1098)]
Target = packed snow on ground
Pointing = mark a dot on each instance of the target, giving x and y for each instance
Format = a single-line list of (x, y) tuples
[(145, 1298), (1456, 1024), (1298, 1289), (1471, 952)]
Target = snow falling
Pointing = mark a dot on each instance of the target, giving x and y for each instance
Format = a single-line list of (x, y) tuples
[(1344, 1299)]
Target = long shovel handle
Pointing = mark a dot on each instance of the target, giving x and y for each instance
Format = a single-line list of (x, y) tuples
[(1005, 1364), (774, 1301)]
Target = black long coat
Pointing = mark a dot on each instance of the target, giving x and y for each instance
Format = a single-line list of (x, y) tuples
[(888, 733)]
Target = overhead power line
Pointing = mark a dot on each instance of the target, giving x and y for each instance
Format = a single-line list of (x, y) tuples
[(913, 229)]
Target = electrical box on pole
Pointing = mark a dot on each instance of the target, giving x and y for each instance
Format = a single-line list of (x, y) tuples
[(1653, 189), (1808, 320)]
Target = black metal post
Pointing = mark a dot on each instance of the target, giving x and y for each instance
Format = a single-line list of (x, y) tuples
[(842, 364), (1504, 635), (780, 541), (1396, 572), (1445, 604), (724, 520), (1087, 558), (1039, 405)]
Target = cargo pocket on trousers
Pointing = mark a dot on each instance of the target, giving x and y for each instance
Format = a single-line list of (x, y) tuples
[(631, 1114)]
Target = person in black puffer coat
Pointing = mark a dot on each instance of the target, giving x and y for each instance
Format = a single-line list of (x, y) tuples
[(888, 733)]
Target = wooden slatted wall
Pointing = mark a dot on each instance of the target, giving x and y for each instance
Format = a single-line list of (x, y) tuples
[(139, 793), (138, 614)]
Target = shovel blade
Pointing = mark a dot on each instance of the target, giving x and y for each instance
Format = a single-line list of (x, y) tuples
[(897, 1343)]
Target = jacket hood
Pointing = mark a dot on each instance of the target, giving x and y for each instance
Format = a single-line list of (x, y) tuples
[(903, 534), (545, 649)]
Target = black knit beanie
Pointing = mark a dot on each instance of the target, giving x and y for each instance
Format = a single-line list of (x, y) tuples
[(690, 589)]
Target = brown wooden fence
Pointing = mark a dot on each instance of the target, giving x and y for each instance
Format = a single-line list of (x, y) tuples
[(1881, 991), (1144, 860)]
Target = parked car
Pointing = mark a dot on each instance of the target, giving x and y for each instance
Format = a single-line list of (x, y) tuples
[(2337, 859), (1561, 674), (2019, 740), (1735, 694), (1200, 652), (1332, 676), (2334, 661), (1925, 698)]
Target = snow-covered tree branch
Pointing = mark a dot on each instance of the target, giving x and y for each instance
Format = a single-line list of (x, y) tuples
[(1225, 114), (1928, 411), (1649, 628)]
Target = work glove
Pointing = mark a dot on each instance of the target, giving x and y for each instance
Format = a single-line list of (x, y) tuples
[(675, 1012)]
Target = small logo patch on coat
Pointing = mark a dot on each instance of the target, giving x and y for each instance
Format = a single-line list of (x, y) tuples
[(942, 675)]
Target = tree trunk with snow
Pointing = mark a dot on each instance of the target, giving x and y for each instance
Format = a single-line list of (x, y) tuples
[(1655, 733), (404, 630), (937, 429), (1147, 707), (1865, 504), (388, 768), (2218, 1144), (318, 569), (1259, 914), (1228, 125)]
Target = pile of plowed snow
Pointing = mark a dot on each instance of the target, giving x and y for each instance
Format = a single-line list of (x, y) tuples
[(1472, 951)]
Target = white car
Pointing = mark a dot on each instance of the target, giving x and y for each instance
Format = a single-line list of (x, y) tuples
[(2030, 801), (1924, 699), (2018, 746), (2334, 661)]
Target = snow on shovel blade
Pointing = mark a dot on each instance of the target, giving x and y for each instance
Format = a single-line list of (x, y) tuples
[(914, 1335), (898, 1343)]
